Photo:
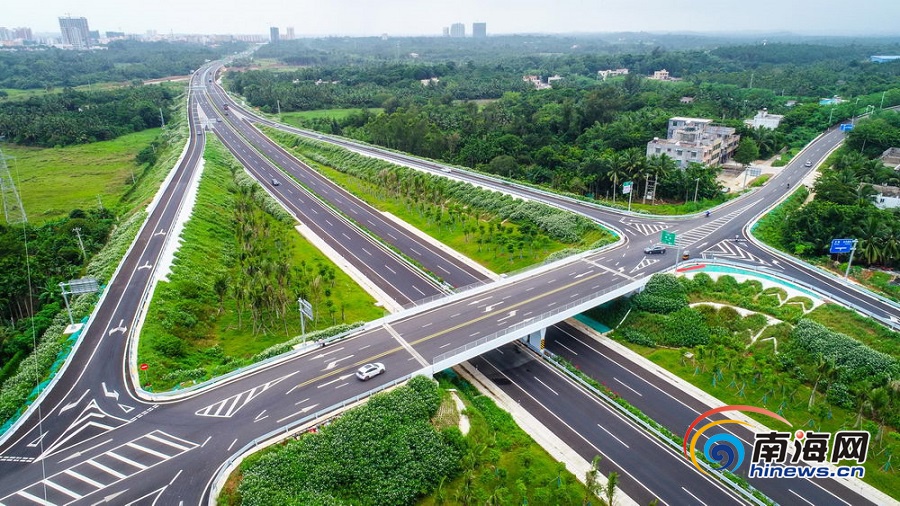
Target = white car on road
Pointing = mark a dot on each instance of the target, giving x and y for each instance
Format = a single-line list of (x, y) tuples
[(369, 371)]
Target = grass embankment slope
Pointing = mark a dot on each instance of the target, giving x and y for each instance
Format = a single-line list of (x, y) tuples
[(216, 313)]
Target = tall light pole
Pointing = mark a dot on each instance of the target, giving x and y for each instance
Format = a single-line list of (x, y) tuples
[(77, 231), (696, 187)]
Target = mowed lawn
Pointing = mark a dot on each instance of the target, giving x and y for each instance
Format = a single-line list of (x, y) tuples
[(53, 181)]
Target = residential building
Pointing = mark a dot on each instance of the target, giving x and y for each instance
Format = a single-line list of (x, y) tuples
[(273, 34), (479, 30), (75, 32), (457, 30), (536, 81), (888, 197), (446, 31), (765, 120), (695, 140), (663, 75), (290, 33), (603, 74)]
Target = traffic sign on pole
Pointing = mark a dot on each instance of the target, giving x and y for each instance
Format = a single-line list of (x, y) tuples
[(626, 187), (841, 246), (667, 238)]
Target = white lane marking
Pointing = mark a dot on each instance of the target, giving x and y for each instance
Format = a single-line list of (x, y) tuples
[(207, 441), (148, 450), (106, 469), (570, 349), (612, 435), (445, 345), (73, 404), (63, 489), (367, 252), (231, 445), (454, 315), (480, 300), (547, 386), (167, 442), (302, 411), (626, 386), (79, 476), (126, 460), (704, 504), (388, 268), (474, 334), (416, 288), (34, 498), (414, 251)]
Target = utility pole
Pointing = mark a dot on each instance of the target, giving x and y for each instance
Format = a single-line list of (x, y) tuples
[(278, 104), (162, 120), (696, 187), (77, 231), (882, 99)]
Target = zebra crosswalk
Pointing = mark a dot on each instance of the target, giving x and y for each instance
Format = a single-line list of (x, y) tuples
[(644, 228)]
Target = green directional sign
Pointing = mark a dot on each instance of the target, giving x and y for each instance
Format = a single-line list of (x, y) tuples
[(667, 238), (626, 187)]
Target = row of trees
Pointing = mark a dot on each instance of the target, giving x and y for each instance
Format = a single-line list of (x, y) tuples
[(122, 60), (75, 117)]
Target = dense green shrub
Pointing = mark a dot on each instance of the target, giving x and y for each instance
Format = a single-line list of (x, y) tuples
[(382, 453), (685, 327), (856, 360), (635, 336), (662, 294)]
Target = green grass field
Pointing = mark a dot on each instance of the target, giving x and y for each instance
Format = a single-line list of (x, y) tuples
[(53, 181), (337, 114)]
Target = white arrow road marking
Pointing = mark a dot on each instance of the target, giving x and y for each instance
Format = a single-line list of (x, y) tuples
[(339, 378), (325, 354), (145, 266), (490, 308), (125, 408), (73, 404), (333, 363), (301, 412), (162, 231), (120, 328), (480, 300), (109, 498), (82, 452), (107, 393), (507, 317)]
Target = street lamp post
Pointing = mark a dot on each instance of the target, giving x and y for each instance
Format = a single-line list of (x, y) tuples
[(696, 187)]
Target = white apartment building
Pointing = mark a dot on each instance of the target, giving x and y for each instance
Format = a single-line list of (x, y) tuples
[(695, 140)]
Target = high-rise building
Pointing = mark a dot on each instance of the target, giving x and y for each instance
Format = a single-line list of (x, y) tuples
[(479, 30), (273, 34), (290, 33), (75, 32), (5, 33), (457, 30), (446, 31)]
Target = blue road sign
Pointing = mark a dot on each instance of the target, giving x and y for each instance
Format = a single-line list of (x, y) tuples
[(846, 127), (841, 245)]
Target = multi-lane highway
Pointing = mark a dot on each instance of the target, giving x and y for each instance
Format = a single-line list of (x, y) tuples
[(93, 438)]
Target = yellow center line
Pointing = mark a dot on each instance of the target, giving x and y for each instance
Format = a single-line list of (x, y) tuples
[(442, 332), (507, 308)]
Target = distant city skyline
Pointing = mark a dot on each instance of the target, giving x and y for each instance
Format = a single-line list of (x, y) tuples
[(404, 17)]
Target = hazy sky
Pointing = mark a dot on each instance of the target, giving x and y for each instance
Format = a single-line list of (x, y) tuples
[(415, 17)]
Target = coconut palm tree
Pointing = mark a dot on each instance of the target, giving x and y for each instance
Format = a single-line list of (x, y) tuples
[(873, 236)]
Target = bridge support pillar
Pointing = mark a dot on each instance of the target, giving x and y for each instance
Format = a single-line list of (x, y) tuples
[(535, 340)]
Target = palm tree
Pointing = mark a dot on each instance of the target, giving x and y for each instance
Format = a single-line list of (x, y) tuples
[(616, 169), (660, 166), (825, 369), (873, 236)]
